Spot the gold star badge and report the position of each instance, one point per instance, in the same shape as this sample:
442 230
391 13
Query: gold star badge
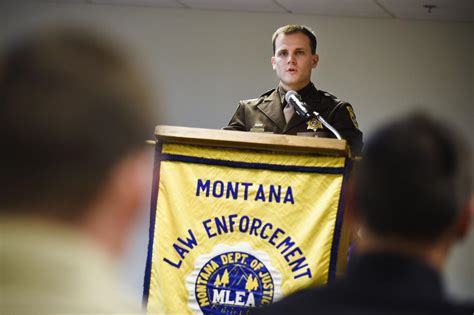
314 124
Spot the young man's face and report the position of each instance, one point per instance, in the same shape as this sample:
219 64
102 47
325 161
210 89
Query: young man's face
293 60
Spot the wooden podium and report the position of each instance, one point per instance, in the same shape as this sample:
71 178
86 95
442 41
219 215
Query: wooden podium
240 219
251 140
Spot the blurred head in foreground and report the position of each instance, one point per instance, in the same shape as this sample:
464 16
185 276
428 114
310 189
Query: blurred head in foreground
74 117
412 197
413 190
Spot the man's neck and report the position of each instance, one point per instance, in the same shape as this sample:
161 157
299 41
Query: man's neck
432 253
296 88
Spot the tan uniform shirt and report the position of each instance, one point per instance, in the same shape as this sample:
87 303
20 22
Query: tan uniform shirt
267 112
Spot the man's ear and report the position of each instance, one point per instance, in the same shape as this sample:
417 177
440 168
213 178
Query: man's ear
350 199
315 60
117 207
464 221
133 177
273 62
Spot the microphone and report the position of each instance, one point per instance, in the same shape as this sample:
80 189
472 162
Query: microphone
300 107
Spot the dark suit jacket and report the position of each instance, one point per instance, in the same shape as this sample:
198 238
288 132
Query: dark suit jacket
375 284
268 111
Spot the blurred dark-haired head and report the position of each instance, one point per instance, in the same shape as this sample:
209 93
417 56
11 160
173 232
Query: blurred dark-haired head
71 107
414 180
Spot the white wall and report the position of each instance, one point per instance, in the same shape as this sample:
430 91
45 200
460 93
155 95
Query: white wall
201 63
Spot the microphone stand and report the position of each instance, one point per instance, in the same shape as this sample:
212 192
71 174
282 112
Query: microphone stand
327 125
301 109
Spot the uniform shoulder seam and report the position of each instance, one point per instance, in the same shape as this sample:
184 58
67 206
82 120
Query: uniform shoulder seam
334 97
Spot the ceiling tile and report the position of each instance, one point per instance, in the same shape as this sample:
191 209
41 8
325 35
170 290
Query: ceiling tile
151 3
66 1
359 8
450 10
235 5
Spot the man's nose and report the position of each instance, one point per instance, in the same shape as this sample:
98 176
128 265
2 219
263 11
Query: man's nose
291 58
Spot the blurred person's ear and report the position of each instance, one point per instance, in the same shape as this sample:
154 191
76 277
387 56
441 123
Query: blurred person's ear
352 212
464 221
117 207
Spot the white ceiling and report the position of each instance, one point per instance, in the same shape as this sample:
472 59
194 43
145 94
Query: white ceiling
447 10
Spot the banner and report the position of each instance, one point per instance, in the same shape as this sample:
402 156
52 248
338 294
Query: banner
231 230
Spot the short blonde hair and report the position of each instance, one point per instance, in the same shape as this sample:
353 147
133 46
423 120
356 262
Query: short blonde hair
294 28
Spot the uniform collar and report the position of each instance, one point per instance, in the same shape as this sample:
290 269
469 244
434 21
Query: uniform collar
306 93
272 108
273 103
281 94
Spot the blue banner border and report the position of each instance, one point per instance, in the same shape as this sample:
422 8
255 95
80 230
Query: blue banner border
338 226
262 166
151 230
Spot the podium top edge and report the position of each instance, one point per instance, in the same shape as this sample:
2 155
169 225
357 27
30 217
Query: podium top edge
251 140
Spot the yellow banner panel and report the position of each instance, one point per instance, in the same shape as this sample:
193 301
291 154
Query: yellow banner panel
233 230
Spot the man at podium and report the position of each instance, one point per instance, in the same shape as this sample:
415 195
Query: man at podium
294 57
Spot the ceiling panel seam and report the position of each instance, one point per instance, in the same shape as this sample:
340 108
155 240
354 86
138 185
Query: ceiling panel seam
282 6
385 9
183 4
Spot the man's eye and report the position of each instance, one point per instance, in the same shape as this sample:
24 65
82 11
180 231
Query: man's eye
301 53
282 53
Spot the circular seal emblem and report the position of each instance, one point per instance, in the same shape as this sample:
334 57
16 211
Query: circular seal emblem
232 280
